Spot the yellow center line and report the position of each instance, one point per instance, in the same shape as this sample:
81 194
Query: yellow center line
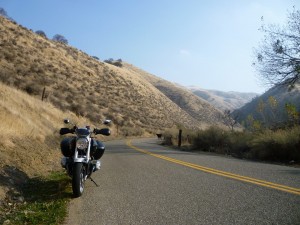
220 172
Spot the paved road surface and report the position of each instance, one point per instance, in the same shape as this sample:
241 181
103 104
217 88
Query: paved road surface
144 183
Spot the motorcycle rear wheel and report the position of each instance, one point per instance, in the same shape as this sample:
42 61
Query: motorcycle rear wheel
78 179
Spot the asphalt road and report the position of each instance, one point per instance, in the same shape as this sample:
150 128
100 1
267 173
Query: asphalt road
141 182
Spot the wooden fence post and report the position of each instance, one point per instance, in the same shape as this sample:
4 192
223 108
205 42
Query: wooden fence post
179 138
43 95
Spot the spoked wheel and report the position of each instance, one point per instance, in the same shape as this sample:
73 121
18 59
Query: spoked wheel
78 179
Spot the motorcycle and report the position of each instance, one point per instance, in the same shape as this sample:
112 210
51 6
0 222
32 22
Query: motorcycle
81 154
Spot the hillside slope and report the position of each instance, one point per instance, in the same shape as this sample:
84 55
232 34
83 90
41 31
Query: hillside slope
223 100
198 108
269 108
29 137
77 82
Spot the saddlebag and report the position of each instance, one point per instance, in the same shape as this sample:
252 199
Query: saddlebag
97 149
67 146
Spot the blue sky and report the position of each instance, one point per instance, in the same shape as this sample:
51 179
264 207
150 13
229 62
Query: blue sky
205 43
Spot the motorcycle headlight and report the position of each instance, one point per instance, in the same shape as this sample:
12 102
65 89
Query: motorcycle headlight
82 143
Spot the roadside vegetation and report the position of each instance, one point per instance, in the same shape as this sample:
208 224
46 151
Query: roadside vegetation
43 201
281 145
33 188
275 136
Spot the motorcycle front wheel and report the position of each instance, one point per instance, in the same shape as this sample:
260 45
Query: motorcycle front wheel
78 179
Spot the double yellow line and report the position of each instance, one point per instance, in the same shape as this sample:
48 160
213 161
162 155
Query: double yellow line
263 183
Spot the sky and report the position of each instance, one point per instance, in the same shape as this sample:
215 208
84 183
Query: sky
204 43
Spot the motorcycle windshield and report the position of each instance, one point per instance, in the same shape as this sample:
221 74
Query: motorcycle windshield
82 132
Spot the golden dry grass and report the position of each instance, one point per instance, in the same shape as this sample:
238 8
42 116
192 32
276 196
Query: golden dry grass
204 113
29 131
77 82
29 135
25 116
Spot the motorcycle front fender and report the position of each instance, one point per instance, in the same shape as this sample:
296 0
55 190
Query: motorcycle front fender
80 160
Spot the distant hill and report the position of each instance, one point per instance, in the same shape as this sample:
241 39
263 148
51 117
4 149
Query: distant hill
83 84
269 108
196 107
223 100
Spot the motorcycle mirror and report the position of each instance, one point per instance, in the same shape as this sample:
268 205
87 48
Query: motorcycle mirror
106 122
66 121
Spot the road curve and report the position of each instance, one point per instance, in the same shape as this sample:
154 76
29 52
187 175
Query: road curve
141 182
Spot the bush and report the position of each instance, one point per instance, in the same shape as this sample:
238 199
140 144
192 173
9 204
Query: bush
117 63
132 131
60 38
41 33
213 139
78 109
32 89
170 136
3 13
240 143
9 56
280 145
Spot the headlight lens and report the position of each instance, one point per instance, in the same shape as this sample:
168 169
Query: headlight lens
82 143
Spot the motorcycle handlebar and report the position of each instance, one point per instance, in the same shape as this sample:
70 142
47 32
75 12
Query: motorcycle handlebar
66 131
103 131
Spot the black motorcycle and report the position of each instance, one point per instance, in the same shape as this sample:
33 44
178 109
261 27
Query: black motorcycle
81 154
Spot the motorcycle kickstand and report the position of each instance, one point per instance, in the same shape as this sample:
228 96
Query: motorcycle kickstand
94 182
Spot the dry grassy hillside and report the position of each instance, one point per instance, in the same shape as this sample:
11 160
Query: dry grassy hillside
29 138
198 108
269 108
77 82
224 100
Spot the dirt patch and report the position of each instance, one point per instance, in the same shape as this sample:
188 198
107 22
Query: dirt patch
11 178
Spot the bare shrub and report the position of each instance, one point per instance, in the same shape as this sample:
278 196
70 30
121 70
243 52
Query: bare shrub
78 109
240 144
213 139
132 131
9 56
33 89
280 145
170 136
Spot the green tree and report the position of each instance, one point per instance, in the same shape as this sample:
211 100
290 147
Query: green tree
293 114
261 109
273 104
3 13
60 38
41 33
252 124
